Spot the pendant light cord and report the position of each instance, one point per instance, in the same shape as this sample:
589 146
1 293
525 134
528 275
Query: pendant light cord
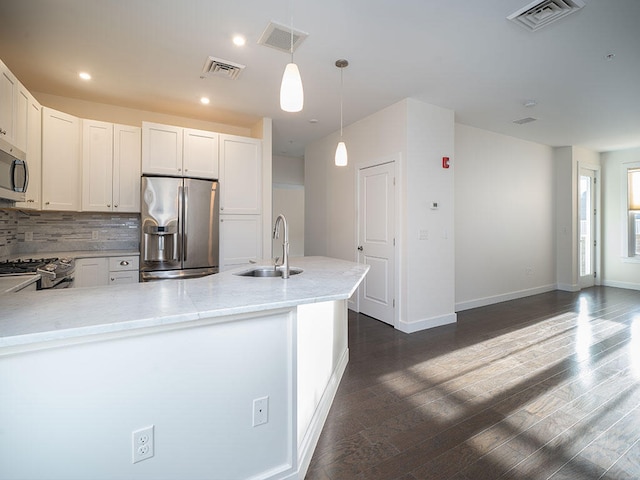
341 82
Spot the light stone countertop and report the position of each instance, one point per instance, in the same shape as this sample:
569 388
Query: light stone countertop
13 283
52 315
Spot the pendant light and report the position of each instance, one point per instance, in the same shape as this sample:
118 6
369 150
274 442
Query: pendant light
291 93
341 149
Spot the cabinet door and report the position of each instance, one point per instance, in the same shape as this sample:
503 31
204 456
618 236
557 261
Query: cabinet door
91 272
34 156
126 168
8 88
240 240
61 164
97 168
200 157
161 149
240 175
21 117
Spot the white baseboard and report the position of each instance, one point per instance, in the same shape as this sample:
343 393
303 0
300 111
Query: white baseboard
627 285
566 287
481 302
411 327
310 440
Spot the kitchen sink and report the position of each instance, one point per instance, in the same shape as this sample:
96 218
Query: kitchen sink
264 272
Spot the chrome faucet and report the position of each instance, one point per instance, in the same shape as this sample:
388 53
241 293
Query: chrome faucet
285 243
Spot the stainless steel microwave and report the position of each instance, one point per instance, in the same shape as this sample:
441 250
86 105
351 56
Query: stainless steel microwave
14 174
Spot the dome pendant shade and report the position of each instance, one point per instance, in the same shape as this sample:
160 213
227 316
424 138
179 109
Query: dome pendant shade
291 93
341 155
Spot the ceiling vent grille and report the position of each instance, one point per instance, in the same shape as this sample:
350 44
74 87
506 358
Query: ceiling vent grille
279 37
542 13
522 121
221 68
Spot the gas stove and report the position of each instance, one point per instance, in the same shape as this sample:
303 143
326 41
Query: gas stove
54 272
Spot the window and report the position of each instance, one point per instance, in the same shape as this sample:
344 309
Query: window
633 189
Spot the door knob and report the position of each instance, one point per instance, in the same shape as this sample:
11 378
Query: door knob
360 248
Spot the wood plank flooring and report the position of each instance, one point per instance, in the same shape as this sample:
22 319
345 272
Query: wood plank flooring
545 387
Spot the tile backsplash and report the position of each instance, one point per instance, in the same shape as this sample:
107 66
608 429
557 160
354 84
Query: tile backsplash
23 232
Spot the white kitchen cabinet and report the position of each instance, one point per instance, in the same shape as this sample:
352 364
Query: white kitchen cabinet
240 175
240 240
123 269
200 155
14 105
111 167
97 166
34 156
91 272
61 160
177 151
103 271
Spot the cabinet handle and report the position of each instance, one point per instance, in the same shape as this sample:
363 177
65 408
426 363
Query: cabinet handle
3 132
115 206
179 169
124 263
47 203
108 205
112 279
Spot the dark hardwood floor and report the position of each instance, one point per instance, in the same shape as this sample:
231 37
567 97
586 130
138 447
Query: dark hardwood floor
542 387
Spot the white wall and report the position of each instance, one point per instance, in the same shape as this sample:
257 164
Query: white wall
504 217
288 199
330 203
428 294
418 135
617 270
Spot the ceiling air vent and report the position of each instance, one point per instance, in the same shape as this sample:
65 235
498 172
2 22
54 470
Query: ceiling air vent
221 68
279 37
522 121
541 13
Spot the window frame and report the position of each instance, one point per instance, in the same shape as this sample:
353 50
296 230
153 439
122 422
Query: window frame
631 250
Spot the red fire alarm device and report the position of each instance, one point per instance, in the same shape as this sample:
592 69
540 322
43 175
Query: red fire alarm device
445 162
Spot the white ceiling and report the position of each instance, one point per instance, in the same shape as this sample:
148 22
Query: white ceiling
459 54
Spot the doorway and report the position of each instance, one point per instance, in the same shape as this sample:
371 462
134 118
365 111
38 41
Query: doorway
587 229
376 240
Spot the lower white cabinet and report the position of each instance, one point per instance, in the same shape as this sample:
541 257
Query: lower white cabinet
91 272
102 271
240 240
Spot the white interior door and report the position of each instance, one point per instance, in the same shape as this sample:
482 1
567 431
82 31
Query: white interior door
376 239
587 228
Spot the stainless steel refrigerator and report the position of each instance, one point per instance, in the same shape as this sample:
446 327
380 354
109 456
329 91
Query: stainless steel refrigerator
179 228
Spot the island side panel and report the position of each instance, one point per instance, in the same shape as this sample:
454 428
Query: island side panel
69 412
322 353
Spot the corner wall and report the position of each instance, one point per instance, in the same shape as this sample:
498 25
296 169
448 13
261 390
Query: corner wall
504 218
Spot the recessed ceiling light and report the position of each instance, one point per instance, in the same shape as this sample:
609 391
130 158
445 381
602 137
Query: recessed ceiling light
204 100
239 40
84 76
313 120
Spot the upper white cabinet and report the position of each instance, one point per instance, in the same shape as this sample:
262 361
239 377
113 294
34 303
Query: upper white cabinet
14 106
177 151
34 156
110 167
240 175
61 165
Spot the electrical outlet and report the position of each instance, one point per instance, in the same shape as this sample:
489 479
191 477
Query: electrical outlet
95 234
260 411
28 236
142 444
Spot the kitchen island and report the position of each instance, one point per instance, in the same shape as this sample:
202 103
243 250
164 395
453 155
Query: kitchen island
82 369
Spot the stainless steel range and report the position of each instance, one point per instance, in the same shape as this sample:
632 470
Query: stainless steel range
54 272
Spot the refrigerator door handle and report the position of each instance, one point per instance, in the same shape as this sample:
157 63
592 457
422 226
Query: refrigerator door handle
185 230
